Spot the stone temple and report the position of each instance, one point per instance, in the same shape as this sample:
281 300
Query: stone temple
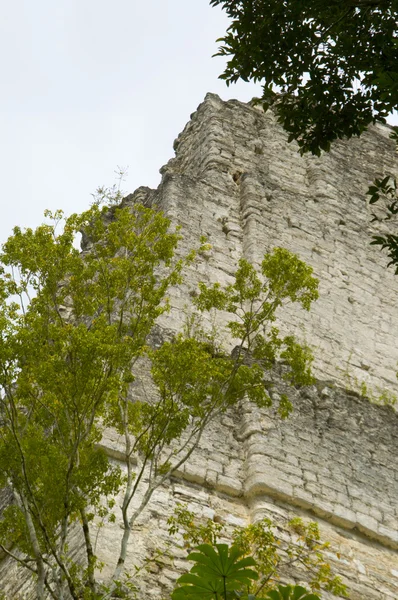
236 180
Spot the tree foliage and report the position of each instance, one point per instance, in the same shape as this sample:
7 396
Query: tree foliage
328 67
74 330
384 191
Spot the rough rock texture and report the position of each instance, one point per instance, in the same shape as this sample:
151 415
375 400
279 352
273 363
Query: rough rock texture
237 181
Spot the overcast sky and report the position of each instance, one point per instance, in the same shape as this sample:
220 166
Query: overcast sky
88 85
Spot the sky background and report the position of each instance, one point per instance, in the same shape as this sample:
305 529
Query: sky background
90 85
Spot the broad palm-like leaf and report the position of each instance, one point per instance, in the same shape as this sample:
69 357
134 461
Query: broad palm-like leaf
290 592
217 572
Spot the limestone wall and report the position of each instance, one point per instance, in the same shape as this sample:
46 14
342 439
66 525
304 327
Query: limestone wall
236 180
334 460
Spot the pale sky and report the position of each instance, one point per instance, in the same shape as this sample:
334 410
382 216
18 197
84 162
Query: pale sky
88 85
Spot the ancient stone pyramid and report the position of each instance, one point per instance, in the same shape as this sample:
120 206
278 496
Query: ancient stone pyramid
236 180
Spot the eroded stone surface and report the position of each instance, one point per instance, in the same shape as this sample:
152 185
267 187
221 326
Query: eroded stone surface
236 180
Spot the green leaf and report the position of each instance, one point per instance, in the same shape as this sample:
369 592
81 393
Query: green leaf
290 592
217 570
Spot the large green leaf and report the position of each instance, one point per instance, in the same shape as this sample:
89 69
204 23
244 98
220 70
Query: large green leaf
217 572
198 587
291 592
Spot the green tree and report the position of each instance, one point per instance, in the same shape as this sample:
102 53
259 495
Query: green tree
74 331
333 64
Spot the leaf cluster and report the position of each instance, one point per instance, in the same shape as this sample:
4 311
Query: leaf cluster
217 573
253 301
385 191
223 572
329 68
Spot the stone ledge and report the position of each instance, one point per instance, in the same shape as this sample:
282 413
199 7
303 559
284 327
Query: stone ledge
336 515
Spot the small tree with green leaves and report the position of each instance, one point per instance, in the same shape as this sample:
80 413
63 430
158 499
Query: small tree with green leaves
74 331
